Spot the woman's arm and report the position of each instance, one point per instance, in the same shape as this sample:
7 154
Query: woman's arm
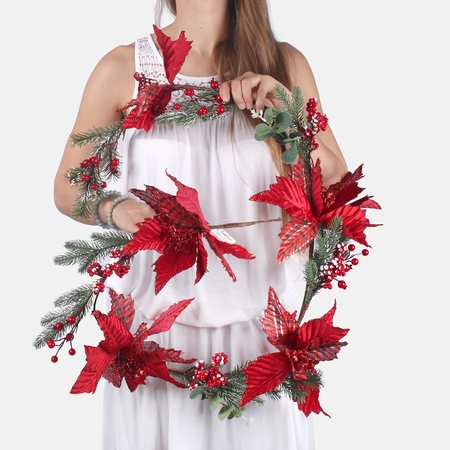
108 89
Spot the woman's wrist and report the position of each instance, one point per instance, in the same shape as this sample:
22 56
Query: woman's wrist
101 207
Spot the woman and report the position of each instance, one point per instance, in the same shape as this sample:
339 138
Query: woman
232 42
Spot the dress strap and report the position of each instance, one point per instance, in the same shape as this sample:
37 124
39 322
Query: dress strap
148 61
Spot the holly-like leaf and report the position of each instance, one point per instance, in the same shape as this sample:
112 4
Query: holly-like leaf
311 403
174 52
280 326
168 317
265 374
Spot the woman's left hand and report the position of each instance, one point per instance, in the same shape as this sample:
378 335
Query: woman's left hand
251 91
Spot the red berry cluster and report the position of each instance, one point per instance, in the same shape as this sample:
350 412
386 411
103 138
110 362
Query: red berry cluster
203 110
90 172
96 269
343 261
209 374
51 343
317 122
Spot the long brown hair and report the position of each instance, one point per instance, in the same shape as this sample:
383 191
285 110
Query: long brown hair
250 46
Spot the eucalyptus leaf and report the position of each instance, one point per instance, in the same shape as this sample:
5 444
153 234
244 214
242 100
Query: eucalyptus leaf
196 392
289 156
214 402
268 115
283 121
225 411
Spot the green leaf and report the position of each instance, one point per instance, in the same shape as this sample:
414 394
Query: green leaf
283 121
214 402
290 155
263 132
196 392
268 115
225 411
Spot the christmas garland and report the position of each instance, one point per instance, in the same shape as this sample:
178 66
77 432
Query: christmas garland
323 221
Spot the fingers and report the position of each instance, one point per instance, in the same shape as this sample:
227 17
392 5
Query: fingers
250 91
129 213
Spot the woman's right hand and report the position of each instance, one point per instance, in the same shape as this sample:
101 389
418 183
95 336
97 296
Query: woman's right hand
126 214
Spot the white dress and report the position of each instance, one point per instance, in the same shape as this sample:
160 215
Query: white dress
226 165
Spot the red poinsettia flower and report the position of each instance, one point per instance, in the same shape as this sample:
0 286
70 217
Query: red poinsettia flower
177 231
122 355
152 98
291 194
301 348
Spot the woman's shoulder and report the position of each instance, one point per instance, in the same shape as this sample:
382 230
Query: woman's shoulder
297 64
114 73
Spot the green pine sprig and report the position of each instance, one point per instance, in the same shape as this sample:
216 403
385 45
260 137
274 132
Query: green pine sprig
84 253
103 171
73 303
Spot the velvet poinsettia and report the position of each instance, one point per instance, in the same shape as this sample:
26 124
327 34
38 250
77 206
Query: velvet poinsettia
177 231
122 355
301 348
153 98
291 193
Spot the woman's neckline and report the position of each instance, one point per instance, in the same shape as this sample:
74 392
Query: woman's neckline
180 75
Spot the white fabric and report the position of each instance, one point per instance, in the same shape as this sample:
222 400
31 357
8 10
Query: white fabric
226 165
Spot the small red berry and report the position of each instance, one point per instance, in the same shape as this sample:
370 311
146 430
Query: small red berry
54 359
69 336
71 351
50 343
94 160
94 186
84 177
342 284
355 261
58 326
85 163
218 98
202 111
189 92
220 109
365 252
104 184
177 106
71 319
352 247
214 84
